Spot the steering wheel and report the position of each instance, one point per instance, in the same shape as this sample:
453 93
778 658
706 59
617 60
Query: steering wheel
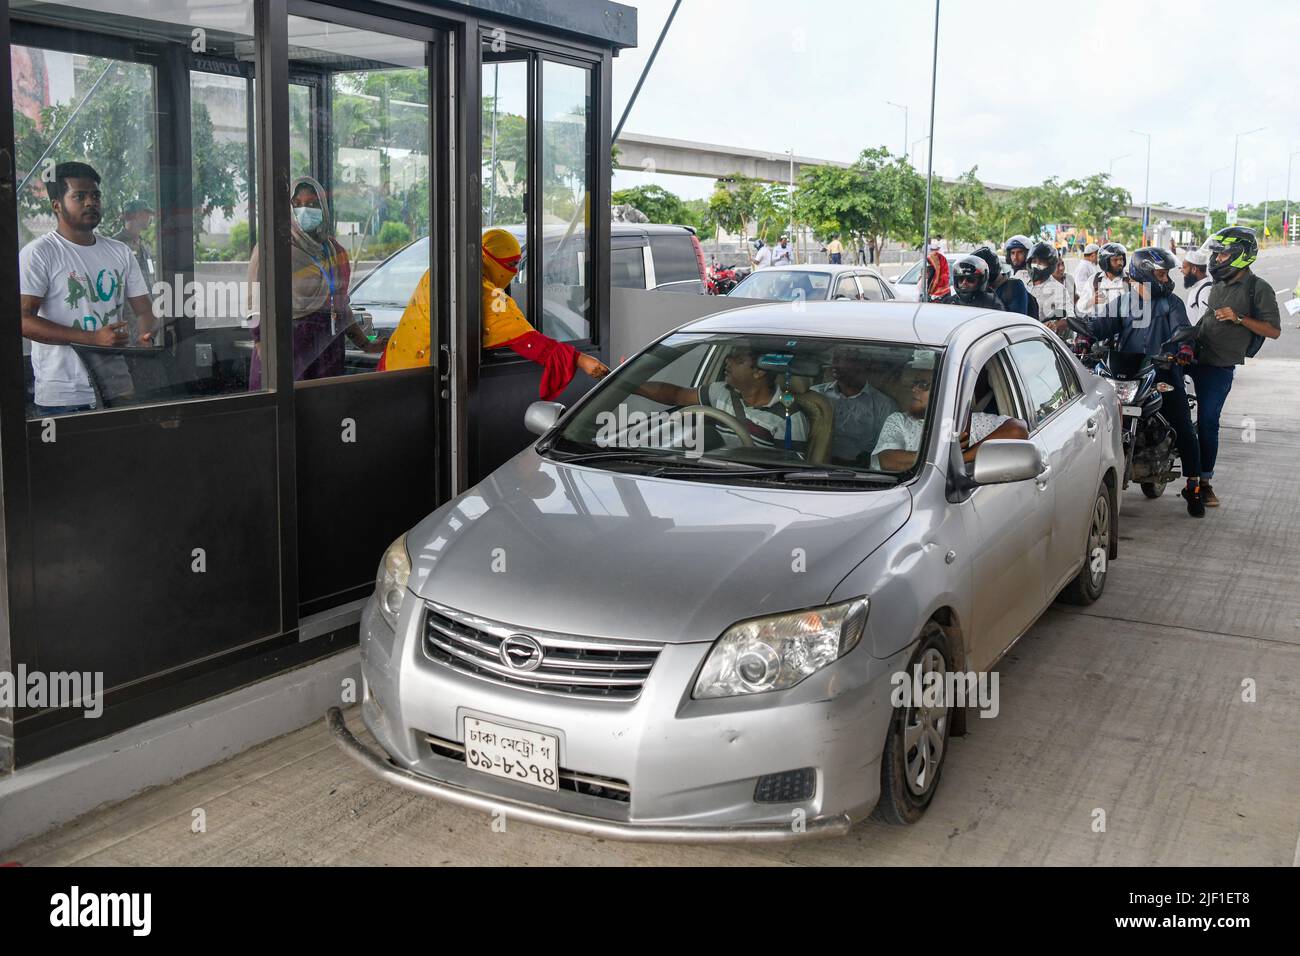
718 415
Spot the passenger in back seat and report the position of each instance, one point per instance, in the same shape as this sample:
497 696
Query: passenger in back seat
860 408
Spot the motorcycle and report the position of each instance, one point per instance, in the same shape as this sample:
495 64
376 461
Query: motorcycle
720 279
1150 442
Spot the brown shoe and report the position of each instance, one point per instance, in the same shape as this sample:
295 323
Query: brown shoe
1208 496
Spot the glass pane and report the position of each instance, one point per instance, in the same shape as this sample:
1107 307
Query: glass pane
504 193
133 269
566 213
358 198
1041 375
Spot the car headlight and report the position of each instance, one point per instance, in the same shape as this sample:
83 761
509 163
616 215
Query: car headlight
390 583
1125 389
774 653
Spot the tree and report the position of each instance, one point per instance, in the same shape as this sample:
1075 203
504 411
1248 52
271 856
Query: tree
658 204
879 196
1028 209
1096 202
734 203
959 211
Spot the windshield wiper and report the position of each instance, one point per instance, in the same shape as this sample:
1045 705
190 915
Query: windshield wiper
833 475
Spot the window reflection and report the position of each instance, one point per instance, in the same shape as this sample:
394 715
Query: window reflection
566 213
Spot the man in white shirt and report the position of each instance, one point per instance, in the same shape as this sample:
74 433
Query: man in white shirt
1197 281
75 288
1054 304
762 257
1087 267
781 255
746 390
1107 282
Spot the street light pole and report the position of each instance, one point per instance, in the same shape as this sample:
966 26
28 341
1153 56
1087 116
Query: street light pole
1111 171
1235 142
1286 218
904 109
1146 201
929 159
916 141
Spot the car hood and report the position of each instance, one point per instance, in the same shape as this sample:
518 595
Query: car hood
580 550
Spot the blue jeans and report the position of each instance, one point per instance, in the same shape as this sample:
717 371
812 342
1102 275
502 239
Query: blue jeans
1213 383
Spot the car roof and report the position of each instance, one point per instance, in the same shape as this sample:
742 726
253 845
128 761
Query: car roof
907 322
816 267
615 229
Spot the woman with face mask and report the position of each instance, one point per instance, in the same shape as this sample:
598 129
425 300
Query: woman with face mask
321 274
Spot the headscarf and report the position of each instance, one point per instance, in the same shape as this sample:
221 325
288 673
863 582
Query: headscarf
501 254
317 261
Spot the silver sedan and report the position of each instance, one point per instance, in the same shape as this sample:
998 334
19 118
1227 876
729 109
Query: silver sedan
697 608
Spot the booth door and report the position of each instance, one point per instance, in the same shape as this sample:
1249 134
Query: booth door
367 440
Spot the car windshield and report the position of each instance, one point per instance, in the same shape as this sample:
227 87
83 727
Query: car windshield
845 412
392 282
783 285
910 276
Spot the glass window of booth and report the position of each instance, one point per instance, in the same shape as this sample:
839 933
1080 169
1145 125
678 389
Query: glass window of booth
360 199
134 241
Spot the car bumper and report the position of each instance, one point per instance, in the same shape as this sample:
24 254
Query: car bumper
691 767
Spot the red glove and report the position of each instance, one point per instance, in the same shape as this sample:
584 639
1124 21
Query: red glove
558 360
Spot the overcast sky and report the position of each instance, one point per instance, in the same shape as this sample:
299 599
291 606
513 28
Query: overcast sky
815 74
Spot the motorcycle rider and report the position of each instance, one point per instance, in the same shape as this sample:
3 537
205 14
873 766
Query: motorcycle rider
1054 305
1017 253
1240 312
1011 292
1109 281
970 285
1196 280
1145 317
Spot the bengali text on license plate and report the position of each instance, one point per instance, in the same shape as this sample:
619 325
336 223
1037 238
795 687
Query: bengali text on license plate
502 751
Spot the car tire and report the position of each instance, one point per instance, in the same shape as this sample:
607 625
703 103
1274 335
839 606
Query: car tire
1153 489
1087 585
916 744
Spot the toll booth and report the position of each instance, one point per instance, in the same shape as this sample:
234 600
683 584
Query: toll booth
203 504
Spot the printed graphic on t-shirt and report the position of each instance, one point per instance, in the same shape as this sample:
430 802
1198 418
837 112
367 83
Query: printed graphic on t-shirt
103 289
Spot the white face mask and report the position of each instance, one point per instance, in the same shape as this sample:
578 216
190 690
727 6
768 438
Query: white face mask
308 217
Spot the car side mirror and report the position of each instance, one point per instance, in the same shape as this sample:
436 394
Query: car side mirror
542 416
1000 461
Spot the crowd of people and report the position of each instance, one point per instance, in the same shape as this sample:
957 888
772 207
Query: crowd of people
1129 300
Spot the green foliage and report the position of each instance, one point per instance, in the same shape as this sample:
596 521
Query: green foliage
734 203
394 233
960 211
879 196
1095 202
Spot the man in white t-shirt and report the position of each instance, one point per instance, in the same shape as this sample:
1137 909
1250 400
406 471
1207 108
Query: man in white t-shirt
762 257
1087 267
75 288
781 255
1197 282
746 390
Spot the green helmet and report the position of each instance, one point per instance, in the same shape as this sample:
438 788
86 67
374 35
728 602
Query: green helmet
1241 246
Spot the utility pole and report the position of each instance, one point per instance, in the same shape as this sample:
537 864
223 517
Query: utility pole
904 109
1235 142
923 288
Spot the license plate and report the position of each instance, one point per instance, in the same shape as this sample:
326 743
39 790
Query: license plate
503 751
1133 410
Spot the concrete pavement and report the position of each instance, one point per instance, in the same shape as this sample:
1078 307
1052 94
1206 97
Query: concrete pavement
1133 706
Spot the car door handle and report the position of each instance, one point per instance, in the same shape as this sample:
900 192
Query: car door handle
1092 428
1043 476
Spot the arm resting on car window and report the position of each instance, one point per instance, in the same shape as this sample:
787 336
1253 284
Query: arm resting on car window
1011 428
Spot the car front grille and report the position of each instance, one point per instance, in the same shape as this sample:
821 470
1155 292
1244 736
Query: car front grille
588 784
580 667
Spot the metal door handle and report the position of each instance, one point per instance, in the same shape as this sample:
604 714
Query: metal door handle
444 362
1043 476
1092 428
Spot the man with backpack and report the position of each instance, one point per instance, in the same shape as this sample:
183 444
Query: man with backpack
1240 314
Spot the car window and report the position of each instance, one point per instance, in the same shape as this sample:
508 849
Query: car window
392 282
627 267
1041 373
674 258
784 285
845 287
871 290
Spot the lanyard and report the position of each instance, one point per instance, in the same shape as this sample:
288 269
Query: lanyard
328 276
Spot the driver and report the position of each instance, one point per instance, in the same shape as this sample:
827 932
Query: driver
747 393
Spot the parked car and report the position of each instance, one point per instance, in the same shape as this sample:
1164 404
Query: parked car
905 285
662 258
814 283
616 636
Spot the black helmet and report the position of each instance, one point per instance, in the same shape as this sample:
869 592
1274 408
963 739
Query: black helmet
970 276
1045 253
1145 262
1232 239
990 259
1016 242
1109 251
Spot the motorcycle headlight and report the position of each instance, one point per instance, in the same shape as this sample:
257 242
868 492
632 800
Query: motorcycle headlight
1126 390
390 582
774 653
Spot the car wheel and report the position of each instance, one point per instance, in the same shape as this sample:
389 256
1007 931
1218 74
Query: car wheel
1088 584
917 742
1153 489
